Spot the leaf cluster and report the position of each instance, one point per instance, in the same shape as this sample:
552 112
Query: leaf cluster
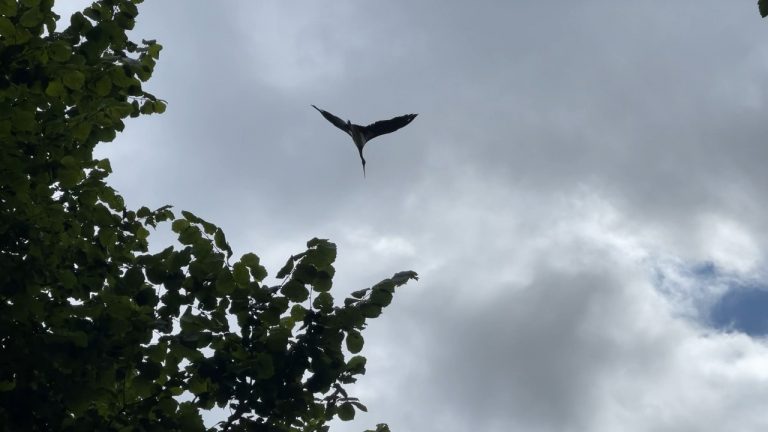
96 332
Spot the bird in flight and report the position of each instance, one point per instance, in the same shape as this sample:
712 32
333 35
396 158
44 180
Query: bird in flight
362 134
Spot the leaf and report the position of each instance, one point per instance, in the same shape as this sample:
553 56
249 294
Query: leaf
370 310
73 79
179 225
23 120
189 418
7 385
60 51
31 18
346 411
381 297
264 365
154 50
356 365
240 273
221 242
7 29
360 293
295 291
56 89
298 312
225 282
133 278
103 85
81 131
252 261
323 301
159 107
8 8
354 341
402 277
287 268
763 7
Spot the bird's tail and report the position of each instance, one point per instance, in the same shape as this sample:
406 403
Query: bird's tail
360 150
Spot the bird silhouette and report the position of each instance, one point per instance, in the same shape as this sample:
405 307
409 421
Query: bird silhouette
362 134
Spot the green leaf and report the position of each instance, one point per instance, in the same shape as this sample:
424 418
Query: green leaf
78 338
295 291
7 385
60 51
7 29
73 79
359 406
159 107
360 293
154 50
354 341
370 310
103 85
8 8
356 365
323 301
763 7
129 9
189 418
179 225
104 164
298 312
264 365
240 273
23 120
167 406
221 242
225 282
252 261
70 177
346 411
68 161
31 18
287 268
402 277
386 285
381 297
119 78
81 131
133 278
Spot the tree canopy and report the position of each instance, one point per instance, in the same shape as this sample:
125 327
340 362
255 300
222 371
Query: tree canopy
96 332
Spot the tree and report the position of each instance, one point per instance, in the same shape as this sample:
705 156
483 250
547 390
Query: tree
96 333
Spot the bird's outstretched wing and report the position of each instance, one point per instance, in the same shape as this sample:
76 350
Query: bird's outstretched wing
386 126
339 123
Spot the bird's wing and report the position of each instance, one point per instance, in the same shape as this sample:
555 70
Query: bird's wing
386 126
339 123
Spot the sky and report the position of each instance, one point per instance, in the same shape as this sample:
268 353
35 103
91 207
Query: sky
582 194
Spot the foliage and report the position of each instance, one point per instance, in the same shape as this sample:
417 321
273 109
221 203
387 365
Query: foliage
96 333
762 5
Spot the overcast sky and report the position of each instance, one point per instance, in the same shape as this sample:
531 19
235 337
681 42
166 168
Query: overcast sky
583 194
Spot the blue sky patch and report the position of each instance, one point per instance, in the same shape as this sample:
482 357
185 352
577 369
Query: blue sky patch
743 309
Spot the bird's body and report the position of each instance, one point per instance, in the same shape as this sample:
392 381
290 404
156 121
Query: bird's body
362 134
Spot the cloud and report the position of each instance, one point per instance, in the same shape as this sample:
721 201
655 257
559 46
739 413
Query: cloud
586 342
